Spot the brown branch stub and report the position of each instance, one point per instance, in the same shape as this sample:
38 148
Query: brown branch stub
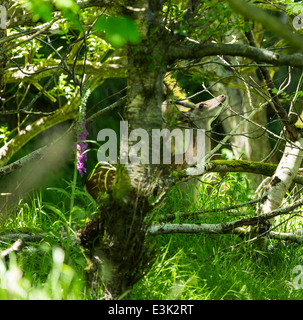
273 182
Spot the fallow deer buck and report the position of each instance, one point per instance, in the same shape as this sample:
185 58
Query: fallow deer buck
200 116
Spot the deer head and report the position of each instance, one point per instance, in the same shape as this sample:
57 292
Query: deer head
203 113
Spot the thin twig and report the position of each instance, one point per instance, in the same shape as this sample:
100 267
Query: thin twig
39 113
16 246
110 108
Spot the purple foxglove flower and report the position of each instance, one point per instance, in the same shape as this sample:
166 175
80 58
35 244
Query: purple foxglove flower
81 144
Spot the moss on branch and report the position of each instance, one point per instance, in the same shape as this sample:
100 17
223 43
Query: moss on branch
266 169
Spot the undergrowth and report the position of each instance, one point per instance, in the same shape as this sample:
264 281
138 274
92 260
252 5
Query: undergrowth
187 267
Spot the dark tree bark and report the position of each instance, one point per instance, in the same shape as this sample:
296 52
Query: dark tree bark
121 254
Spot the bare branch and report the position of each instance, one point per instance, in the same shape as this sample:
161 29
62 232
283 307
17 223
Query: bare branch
267 169
16 246
67 112
26 19
198 51
224 227
38 113
45 27
35 73
200 213
110 108
281 112
37 154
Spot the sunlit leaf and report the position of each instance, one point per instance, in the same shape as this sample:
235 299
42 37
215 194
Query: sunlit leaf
40 9
69 9
118 30
67 4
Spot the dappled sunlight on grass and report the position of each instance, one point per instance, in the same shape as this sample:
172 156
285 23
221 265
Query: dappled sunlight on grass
187 267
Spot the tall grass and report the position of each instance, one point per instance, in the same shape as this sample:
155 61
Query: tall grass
52 269
61 282
211 266
187 266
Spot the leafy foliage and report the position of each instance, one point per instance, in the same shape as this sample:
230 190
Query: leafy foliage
41 9
117 30
44 74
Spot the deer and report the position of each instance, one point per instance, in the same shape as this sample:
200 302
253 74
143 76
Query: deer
200 116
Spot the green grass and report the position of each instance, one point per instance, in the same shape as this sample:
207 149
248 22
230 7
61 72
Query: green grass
187 266
52 269
208 267
195 268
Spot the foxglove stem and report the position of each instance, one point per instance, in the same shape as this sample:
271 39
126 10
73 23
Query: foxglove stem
80 147
81 135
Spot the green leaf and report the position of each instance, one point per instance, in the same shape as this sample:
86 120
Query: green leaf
72 17
274 90
40 9
118 30
67 4
70 10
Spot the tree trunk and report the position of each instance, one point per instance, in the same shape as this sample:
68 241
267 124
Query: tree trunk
121 254
283 177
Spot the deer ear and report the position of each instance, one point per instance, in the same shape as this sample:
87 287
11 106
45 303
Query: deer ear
201 105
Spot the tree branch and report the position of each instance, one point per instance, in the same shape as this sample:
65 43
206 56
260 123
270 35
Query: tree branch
13 45
110 108
199 214
269 22
276 105
16 246
22 111
198 51
266 169
25 135
35 155
223 227
26 19
67 112
35 73
282 179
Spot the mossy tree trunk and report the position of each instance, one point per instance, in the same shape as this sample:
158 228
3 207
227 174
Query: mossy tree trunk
121 254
